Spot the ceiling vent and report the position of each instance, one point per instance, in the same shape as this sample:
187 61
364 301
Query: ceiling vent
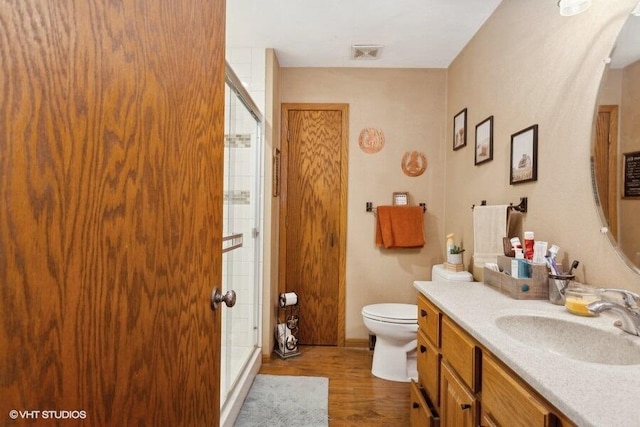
366 51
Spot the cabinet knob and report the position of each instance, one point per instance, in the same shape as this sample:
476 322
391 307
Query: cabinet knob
416 405
423 349
423 313
464 406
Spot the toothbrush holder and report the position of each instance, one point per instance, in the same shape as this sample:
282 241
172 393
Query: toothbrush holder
557 285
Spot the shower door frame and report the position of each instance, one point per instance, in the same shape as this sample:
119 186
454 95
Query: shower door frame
236 388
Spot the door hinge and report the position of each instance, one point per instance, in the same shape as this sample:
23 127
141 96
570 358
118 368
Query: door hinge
255 233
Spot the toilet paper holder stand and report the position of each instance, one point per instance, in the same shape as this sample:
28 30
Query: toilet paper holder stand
286 333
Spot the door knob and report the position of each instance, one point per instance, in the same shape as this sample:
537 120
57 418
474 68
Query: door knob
216 298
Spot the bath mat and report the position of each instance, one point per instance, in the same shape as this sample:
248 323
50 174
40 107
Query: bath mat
282 400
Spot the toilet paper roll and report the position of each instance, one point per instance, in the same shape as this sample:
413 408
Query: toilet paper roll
288 298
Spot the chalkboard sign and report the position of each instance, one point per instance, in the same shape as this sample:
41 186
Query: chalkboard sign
631 174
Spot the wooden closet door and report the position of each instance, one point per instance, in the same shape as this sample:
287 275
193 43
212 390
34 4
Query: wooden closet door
315 225
111 141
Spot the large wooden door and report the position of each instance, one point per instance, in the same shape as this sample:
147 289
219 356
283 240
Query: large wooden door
606 165
313 227
111 141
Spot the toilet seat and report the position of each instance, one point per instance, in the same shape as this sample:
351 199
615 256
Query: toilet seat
392 313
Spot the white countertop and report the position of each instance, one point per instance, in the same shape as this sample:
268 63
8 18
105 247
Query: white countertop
590 394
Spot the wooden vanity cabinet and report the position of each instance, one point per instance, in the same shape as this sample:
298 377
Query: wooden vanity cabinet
460 383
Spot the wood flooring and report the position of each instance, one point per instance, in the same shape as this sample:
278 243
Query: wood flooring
356 397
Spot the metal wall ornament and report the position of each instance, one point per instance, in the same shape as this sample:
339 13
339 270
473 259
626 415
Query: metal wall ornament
414 163
371 140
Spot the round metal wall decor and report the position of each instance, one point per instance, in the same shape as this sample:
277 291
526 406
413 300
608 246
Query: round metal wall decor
371 140
414 163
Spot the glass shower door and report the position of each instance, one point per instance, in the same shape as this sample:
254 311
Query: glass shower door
241 248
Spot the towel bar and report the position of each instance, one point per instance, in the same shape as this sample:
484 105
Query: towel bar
521 207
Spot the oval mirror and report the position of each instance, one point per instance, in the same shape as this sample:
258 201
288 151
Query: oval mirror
616 145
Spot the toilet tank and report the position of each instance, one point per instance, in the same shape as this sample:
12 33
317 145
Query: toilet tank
440 274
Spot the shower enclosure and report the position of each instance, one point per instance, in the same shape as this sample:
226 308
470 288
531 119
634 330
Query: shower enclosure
242 256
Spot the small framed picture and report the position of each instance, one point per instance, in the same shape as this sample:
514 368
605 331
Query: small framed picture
524 153
400 198
484 141
460 130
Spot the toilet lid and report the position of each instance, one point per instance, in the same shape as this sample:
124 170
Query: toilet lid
392 313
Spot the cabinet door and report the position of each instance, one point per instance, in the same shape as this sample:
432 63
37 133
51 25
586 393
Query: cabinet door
429 368
506 401
429 320
461 352
458 407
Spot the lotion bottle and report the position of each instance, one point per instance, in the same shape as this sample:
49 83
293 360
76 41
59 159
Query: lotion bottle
450 242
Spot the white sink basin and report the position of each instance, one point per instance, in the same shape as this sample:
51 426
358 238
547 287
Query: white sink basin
573 340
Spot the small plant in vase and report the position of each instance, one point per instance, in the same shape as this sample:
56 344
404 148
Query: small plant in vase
455 255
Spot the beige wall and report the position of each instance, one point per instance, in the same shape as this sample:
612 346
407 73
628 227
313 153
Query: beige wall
409 106
528 65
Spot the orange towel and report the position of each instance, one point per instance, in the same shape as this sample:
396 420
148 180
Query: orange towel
400 227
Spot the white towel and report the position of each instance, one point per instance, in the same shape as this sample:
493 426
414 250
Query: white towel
489 227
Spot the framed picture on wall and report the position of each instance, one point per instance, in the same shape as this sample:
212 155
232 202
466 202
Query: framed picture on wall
460 130
484 141
524 154
631 175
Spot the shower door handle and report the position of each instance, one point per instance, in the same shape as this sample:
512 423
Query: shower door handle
216 298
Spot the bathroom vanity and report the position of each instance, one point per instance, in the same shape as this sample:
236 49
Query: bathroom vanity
487 359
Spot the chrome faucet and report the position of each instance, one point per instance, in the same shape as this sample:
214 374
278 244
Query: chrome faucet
630 299
629 312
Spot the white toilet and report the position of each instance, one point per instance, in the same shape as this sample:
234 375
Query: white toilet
395 327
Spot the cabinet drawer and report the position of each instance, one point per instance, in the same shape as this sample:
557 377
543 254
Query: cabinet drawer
429 319
508 402
461 352
429 368
421 414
